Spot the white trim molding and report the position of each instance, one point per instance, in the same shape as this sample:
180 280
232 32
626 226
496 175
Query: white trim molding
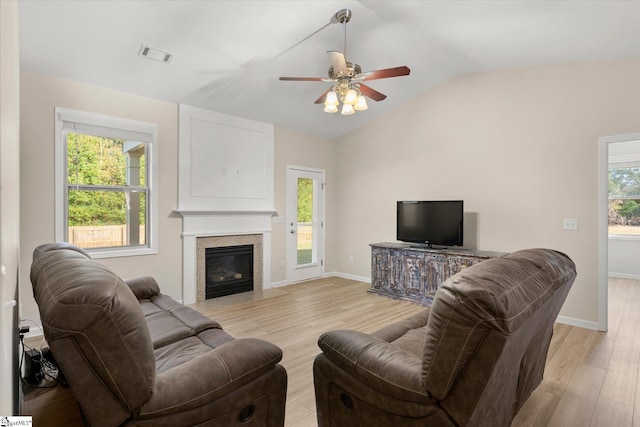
67 120
603 223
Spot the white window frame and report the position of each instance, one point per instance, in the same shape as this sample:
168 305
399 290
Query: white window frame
110 127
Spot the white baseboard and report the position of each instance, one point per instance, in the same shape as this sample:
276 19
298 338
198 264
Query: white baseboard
581 323
329 274
624 276
278 284
348 276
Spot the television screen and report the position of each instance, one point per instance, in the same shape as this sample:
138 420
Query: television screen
434 222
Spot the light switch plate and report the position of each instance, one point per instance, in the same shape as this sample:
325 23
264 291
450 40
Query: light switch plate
570 224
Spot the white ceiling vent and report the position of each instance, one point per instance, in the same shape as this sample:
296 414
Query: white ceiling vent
155 54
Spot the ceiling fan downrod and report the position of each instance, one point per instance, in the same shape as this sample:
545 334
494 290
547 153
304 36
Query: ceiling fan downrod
343 16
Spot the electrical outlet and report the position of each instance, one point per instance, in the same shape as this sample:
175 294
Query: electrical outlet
570 224
350 259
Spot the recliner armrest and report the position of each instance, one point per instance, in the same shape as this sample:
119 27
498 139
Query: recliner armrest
376 362
143 287
209 376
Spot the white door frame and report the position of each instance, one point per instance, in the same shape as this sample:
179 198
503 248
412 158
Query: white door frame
603 223
321 233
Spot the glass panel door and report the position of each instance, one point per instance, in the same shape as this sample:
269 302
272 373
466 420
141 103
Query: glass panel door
304 223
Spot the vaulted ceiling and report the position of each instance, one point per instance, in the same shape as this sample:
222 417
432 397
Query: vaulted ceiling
228 55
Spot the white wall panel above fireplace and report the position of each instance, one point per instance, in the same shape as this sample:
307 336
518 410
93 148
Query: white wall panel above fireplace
225 162
225 186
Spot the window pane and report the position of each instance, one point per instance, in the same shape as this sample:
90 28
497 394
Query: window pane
624 216
305 221
624 183
94 160
624 201
98 218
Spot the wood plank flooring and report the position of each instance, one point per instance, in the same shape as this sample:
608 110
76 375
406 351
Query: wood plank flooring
295 321
591 378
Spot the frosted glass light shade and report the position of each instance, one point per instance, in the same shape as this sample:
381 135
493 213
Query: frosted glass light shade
331 99
347 109
351 97
330 108
361 104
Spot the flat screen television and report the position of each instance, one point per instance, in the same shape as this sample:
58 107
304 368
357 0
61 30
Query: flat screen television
432 222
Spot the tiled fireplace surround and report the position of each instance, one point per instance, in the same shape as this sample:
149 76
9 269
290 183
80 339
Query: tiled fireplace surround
202 243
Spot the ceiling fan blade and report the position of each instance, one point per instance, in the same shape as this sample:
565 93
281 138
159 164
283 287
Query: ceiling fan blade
303 79
372 93
322 97
338 62
386 73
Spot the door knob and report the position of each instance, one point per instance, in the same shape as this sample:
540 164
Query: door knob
293 231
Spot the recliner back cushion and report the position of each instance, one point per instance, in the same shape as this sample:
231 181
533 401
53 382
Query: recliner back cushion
498 294
83 300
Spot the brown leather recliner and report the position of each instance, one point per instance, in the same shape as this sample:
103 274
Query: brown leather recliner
471 359
133 356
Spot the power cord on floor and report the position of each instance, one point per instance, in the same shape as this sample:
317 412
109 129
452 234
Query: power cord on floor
39 364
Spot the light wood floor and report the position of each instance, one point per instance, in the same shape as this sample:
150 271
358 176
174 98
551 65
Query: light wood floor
591 378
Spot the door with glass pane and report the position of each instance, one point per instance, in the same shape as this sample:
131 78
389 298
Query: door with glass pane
305 223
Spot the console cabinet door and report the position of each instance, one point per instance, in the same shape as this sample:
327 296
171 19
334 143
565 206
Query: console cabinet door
414 280
396 270
438 272
379 268
459 263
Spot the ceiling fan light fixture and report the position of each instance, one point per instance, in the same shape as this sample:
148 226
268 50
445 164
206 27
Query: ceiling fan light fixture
361 103
330 108
348 88
331 99
351 97
347 109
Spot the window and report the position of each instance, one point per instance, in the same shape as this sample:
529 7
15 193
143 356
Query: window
624 201
106 199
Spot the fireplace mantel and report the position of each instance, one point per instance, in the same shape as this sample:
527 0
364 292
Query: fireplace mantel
185 213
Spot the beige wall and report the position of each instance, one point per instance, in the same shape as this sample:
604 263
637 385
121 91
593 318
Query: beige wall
9 202
39 95
519 146
299 149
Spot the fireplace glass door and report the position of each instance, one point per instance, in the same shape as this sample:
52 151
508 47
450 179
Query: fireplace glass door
228 270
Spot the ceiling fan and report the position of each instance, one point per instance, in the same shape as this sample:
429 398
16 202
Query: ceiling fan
347 78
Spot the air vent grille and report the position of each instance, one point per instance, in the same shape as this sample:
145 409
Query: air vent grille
155 54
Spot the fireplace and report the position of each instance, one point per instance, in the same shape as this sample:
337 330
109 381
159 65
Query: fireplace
206 243
228 270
